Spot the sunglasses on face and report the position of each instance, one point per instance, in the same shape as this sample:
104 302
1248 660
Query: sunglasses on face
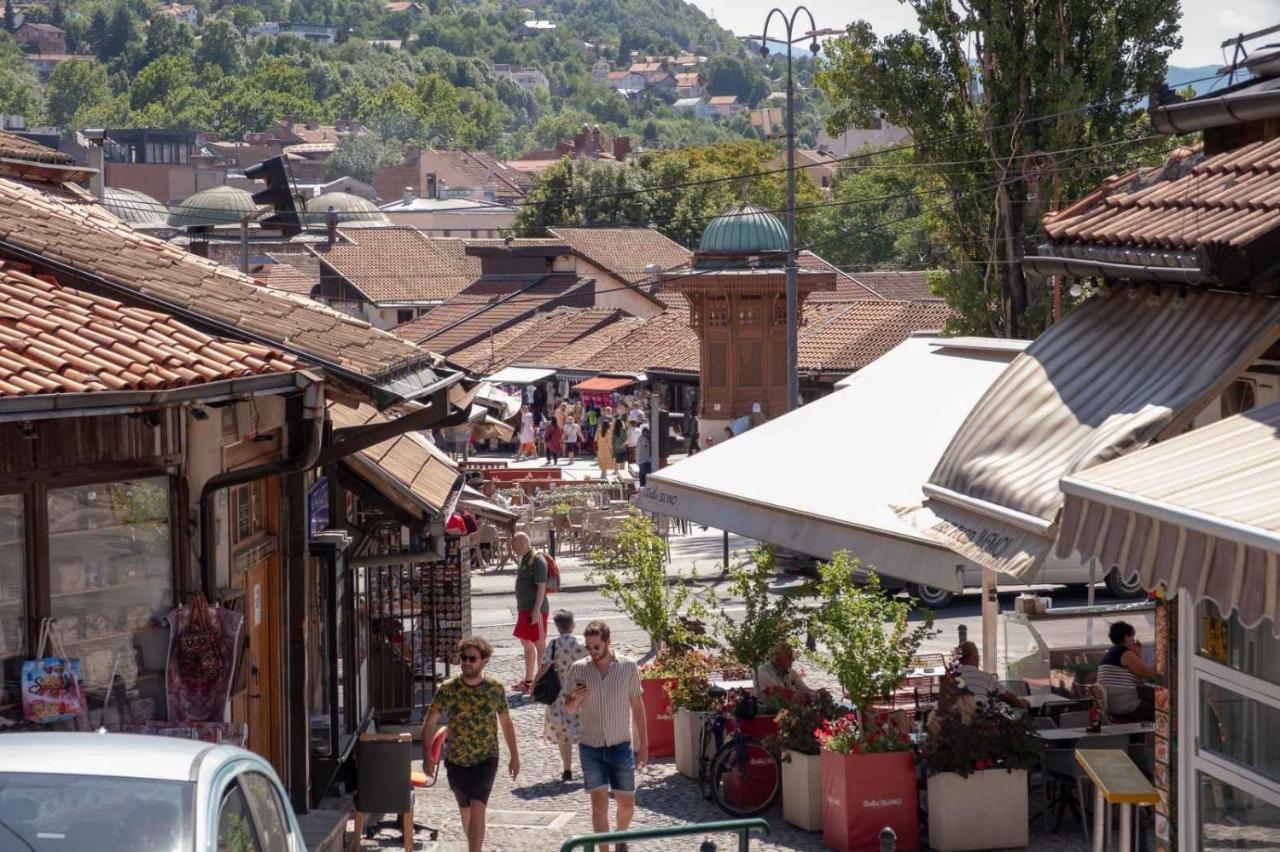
471 658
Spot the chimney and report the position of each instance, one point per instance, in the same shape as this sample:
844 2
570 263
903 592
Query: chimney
331 225
621 147
410 195
431 185
442 188
97 183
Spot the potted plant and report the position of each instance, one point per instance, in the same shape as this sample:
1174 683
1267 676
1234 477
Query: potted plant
631 572
796 738
765 621
976 758
692 703
656 677
867 641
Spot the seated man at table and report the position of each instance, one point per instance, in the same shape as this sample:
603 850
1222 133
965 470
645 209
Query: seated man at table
1121 673
984 685
777 672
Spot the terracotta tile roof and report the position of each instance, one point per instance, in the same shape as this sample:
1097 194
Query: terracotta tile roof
665 342
18 148
282 276
391 265
533 339
94 243
846 336
625 252
583 352
893 285
413 464
55 338
479 167
1189 202
491 305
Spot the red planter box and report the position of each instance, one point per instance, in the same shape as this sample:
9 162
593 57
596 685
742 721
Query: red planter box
759 728
861 794
659 717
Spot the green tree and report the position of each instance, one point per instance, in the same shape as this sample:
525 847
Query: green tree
167 36
19 89
221 46
360 157
765 620
985 86
584 192
730 75
76 87
122 33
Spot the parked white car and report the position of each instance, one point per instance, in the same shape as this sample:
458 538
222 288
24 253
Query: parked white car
1054 572
137 793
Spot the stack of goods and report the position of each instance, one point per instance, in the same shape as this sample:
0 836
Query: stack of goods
450 597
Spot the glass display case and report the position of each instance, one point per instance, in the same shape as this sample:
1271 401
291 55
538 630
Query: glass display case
1061 648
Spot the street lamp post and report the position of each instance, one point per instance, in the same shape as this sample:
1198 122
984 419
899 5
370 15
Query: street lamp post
793 296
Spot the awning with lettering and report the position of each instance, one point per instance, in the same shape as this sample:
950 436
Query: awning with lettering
823 478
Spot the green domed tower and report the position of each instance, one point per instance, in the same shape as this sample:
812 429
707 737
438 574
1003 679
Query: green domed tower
736 290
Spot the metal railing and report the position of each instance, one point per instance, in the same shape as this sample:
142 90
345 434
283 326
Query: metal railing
740 827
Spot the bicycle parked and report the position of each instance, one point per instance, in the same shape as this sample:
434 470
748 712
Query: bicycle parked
735 770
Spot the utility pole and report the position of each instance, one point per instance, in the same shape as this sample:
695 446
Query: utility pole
793 292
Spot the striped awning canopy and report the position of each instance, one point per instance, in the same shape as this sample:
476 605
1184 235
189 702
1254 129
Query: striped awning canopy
1123 369
1199 512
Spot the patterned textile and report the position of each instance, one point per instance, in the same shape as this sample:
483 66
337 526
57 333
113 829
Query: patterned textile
472 718
559 725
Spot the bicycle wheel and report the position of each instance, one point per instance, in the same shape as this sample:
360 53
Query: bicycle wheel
746 778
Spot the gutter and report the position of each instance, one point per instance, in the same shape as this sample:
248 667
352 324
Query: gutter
59 405
1049 265
313 411
1224 110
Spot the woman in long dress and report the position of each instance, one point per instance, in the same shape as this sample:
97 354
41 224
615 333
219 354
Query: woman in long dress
559 725
604 448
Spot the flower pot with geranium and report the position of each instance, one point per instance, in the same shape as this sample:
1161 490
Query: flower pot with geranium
866 639
657 678
977 757
691 702
798 724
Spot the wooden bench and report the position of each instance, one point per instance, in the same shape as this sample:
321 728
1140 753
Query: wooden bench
1116 781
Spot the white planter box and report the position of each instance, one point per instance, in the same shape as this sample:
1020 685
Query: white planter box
802 790
987 810
688 734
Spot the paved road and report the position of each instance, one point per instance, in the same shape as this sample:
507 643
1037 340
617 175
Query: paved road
538 811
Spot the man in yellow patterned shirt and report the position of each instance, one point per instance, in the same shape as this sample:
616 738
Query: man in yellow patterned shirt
472 704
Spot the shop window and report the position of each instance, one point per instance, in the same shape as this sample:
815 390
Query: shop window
717 312
1230 818
12 598
1239 729
1254 652
111 574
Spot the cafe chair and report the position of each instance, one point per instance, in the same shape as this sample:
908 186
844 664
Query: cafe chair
385 785
1064 771
1043 723
1074 719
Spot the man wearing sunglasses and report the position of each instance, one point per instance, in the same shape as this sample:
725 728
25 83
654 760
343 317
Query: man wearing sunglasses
476 706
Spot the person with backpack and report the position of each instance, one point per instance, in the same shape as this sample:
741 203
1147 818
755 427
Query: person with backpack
532 584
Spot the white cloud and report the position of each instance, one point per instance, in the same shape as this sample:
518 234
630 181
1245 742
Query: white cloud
1205 23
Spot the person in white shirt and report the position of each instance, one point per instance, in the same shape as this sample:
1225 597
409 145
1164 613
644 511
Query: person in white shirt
633 438
984 686
777 672
527 447
572 435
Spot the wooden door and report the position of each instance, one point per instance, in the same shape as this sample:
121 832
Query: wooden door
263 658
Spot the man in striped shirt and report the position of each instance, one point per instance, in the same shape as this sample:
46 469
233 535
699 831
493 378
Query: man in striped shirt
604 690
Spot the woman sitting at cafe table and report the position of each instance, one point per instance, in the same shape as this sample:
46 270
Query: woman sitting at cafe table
1122 672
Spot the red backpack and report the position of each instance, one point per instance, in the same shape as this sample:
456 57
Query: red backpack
553 573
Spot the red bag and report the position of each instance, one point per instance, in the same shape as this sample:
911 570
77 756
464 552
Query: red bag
553 573
200 645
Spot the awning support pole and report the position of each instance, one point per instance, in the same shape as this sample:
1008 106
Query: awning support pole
990 617
726 551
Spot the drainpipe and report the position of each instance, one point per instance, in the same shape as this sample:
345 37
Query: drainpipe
313 410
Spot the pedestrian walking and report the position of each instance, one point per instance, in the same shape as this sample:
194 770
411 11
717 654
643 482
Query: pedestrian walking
604 449
633 438
562 414
619 440
559 726
474 706
553 437
572 435
691 432
527 449
531 606
605 691
644 453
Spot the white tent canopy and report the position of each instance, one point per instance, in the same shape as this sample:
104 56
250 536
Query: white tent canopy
520 376
823 478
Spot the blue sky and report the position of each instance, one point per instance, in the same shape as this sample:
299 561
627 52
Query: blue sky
1205 23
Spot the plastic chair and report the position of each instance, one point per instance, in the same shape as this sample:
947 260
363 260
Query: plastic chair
1062 764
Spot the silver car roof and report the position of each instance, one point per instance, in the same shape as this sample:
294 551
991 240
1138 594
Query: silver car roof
117 755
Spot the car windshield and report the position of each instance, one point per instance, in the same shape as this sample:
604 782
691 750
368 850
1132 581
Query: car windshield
51 813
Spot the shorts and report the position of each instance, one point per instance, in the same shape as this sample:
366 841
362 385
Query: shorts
612 766
571 447
527 448
471 783
525 628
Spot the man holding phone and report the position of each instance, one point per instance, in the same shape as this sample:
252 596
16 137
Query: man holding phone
604 690
476 706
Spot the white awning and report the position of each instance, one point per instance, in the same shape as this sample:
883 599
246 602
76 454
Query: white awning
1125 368
505 405
822 478
520 376
1199 512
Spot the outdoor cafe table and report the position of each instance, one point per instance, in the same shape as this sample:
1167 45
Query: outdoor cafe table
1083 734
1039 702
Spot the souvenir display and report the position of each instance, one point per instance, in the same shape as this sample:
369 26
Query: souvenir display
50 684
199 670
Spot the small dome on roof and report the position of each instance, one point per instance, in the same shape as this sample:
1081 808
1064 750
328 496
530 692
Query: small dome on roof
744 229
135 208
221 205
353 211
